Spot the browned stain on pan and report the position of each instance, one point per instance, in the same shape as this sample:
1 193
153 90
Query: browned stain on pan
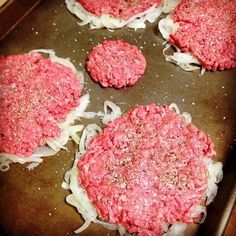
33 203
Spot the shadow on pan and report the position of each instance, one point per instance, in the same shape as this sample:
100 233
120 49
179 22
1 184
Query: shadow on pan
2 232
218 213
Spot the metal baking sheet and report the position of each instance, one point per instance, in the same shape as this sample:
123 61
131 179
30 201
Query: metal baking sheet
33 202
12 12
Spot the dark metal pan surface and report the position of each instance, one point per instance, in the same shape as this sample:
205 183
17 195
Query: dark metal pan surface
33 202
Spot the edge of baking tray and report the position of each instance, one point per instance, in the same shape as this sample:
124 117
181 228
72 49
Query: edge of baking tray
13 12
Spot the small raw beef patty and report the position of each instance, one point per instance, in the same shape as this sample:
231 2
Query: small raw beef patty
116 63
145 169
207 30
124 9
35 95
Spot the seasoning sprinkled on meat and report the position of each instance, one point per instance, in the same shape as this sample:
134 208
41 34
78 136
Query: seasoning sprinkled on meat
145 169
115 63
35 95
207 29
124 9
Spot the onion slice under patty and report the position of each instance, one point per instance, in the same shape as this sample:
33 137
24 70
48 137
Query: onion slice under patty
186 61
53 145
107 21
81 201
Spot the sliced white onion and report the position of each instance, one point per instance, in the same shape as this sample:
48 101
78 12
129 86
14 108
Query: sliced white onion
105 116
54 144
176 229
215 169
187 117
79 197
165 227
203 70
169 5
198 210
89 132
76 113
174 107
80 200
184 60
215 172
43 151
50 52
150 15
64 61
65 184
215 175
83 227
106 224
67 129
6 159
89 115
33 165
95 22
73 130
167 27
123 231
113 115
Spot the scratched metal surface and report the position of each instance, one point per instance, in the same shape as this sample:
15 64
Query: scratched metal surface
32 203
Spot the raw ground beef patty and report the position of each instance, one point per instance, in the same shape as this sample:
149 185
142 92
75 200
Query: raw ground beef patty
115 63
207 29
145 169
35 95
124 9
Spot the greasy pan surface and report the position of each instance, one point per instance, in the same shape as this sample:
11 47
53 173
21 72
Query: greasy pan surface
32 202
